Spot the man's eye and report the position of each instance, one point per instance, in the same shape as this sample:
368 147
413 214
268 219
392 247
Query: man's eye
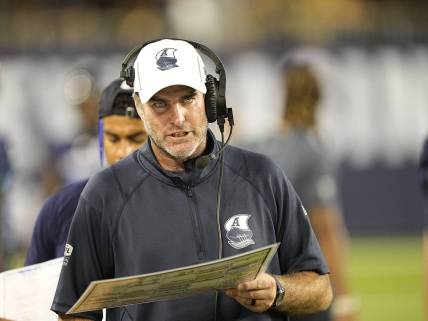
158 104
188 99
112 139
138 139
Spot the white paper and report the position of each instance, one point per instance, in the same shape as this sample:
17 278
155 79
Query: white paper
26 293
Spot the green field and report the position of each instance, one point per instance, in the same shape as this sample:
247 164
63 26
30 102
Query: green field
386 275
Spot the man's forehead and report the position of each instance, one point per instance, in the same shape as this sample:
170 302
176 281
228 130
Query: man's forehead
119 120
173 90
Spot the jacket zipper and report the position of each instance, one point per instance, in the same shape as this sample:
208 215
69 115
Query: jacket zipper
196 224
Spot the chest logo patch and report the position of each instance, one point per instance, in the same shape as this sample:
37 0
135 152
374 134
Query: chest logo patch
239 235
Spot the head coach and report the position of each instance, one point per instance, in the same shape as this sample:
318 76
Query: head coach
185 198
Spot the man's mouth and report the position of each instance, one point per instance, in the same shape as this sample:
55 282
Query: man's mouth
179 134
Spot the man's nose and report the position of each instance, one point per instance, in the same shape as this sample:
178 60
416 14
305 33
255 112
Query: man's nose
124 149
179 114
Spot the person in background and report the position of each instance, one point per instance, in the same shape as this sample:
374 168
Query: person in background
5 171
122 132
297 149
76 159
424 181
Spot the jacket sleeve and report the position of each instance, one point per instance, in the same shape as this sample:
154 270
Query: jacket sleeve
299 249
87 258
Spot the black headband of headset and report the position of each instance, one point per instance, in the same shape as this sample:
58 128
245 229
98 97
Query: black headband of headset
128 73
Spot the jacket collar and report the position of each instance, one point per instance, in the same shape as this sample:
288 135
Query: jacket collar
192 175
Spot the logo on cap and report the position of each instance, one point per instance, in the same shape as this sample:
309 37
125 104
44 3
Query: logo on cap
165 59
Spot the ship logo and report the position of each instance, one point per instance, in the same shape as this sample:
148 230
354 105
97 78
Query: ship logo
239 235
165 59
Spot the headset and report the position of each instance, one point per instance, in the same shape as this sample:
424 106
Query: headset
215 109
215 98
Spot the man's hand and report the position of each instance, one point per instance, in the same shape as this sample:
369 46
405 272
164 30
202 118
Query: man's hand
256 295
306 292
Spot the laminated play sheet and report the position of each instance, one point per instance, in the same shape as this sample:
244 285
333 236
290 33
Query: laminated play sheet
189 280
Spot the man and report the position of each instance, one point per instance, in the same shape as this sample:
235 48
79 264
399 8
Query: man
424 176
75 159
156 210
122 133
5 172
298 151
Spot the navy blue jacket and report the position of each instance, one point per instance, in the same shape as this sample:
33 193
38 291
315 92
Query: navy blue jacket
52 224
136 218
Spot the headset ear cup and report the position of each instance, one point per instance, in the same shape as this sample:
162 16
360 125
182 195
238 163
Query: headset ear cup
130 74
211 98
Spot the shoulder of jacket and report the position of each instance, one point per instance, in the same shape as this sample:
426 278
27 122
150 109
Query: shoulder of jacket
251 163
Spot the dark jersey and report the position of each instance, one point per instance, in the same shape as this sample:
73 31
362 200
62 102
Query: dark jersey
136 218
424 180
52 224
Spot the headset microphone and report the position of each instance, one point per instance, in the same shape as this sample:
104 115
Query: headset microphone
202 161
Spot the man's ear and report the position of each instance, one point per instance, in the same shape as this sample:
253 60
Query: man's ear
138 105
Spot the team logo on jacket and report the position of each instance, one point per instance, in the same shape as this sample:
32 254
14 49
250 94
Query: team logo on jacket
67 253
238 233
68 250
165 59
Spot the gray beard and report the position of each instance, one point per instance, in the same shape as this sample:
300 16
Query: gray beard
179 158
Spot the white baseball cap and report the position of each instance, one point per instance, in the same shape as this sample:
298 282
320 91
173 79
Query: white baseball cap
166 63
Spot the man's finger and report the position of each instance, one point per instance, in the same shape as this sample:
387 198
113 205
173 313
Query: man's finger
254 304
264 281
248 295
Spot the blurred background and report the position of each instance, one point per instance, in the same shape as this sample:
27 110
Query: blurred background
371 57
